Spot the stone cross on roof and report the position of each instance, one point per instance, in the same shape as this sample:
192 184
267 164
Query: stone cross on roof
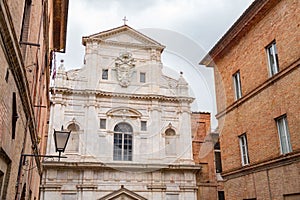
125 20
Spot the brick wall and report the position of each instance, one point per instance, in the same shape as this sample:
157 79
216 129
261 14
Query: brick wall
27 78
256 118
203 154
249 56
282 180
200 130
264 98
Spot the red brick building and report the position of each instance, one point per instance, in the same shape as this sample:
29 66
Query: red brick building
257 77
30 31
205 153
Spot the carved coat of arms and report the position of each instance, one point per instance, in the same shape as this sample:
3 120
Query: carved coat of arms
124 65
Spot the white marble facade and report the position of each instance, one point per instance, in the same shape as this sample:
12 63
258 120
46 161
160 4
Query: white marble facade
131 128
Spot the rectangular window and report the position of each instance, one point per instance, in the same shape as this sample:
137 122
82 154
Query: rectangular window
284 136
272 58
14 115
143 125
218 161
244 149
122 147
221 195
102 123
237 85
7 75
104 74
143 77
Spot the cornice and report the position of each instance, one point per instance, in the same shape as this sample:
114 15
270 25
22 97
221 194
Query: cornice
124 44
283 160
99 93
119 165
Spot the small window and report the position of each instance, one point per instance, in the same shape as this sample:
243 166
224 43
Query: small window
218 162
102 123
244 149
143 126
272 58
104 74
143 77
237 85
284 135
7 75
221 195
14 115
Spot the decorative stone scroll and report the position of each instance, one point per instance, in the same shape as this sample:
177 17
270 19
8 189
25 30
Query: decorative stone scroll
124 65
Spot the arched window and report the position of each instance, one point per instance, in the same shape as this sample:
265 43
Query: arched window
170 142
73 143
123 142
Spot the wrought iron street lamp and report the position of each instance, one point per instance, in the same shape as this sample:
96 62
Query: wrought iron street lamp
61 139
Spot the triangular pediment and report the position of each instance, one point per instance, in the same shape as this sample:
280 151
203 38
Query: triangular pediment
123 35
123 194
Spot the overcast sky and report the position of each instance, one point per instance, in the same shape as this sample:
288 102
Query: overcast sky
188 29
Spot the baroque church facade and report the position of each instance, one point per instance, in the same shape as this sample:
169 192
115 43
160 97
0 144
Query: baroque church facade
130 125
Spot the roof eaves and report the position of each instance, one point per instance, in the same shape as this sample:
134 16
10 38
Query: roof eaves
237 30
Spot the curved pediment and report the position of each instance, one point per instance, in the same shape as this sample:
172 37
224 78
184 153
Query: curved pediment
124 112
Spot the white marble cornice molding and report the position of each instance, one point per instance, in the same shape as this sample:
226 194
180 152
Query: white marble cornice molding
99 93
123 44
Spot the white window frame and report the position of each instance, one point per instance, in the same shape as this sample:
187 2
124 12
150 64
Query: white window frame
123 150
272 56
284 135
237 85
244 149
